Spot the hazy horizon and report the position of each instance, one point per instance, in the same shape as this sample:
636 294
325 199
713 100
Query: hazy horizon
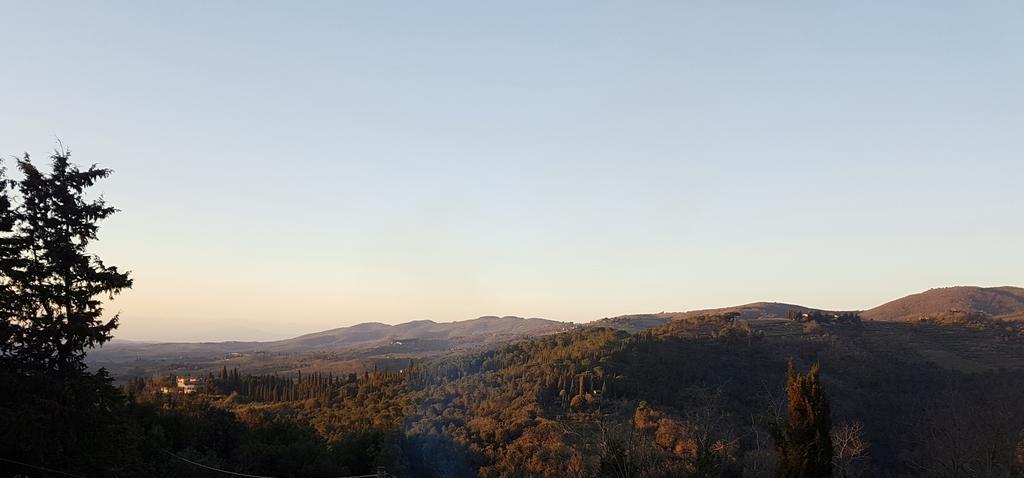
285 169
245 334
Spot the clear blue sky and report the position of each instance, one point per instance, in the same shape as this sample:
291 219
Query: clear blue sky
287 168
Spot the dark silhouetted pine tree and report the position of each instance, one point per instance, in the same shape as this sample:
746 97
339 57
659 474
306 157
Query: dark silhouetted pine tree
53 411
52 284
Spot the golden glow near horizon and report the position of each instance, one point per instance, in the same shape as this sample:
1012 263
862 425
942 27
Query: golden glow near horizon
363 164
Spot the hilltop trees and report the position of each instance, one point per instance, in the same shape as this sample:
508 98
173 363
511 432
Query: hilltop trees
803 445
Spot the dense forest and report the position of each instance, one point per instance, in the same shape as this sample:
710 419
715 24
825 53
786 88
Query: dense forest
807 396
707 397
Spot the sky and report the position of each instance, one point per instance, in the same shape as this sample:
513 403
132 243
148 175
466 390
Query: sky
289 167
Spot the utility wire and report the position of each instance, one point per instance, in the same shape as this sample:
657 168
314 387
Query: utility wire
233 473
41 468
186 460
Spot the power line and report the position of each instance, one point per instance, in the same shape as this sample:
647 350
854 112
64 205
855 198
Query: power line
242 474
214 469
41 468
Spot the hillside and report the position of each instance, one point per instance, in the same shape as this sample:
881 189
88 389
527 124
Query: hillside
687 396
756 310
1005 303
483 330
996 302
441 336
578 402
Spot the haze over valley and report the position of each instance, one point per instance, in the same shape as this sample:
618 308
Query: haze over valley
659 239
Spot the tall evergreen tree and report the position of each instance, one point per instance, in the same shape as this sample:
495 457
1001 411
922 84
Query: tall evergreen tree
51 283
11 259
53 411
803 445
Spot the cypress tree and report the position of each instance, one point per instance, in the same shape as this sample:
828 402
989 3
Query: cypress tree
803 446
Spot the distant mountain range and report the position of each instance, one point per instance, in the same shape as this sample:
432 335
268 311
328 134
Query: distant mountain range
441 336
426 336
483 330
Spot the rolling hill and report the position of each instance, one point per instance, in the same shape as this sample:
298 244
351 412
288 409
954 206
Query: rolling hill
441 336
1006 303
756 310
483 330
997 302
373 341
